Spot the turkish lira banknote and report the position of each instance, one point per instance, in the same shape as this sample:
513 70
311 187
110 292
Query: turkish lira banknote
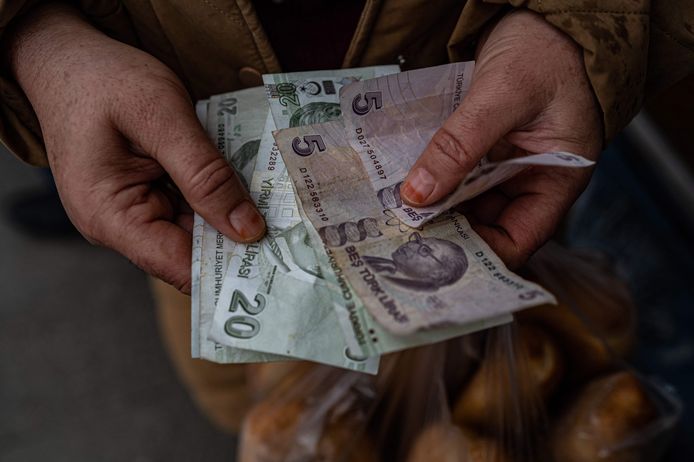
361 330
288 296
235 122
391 119
273 298
439 275
302 98
317 316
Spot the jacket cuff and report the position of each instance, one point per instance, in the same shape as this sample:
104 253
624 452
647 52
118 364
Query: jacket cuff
614 38
19 126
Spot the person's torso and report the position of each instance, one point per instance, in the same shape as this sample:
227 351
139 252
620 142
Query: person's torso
223 45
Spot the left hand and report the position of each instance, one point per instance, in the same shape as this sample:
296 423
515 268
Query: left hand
117 124
529 94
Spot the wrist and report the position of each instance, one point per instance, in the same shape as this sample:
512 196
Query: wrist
38 44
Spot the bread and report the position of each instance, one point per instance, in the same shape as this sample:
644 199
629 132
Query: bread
294 431
514 379
590 344
269 430
484 449
595 318
441 442
445 442
263 378
346 440
607 412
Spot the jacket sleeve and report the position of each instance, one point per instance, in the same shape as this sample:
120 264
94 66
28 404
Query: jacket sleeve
19 127
632 49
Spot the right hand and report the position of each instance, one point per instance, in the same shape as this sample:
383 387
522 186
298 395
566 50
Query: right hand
529 93
117 123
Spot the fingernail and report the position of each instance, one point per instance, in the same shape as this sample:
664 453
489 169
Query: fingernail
418 186
247 221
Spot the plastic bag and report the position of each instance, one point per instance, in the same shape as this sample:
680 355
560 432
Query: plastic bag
317 413
551 386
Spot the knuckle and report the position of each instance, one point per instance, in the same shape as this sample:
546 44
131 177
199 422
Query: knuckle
182 285
213 181
517 260
89 234
517 254
177 280
523 241
90 225
91 237
533 239
451 152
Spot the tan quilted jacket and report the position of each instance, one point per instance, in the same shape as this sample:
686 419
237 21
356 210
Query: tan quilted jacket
632 48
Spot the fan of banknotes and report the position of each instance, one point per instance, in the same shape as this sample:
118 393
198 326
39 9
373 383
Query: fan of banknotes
347 271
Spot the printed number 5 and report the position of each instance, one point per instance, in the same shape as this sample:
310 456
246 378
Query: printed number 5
371 99
242 325
312 142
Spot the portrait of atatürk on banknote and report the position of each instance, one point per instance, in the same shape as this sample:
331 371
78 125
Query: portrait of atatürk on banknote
315 113
422 264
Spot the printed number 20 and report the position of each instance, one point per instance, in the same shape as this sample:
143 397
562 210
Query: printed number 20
312 142
242 325
372 99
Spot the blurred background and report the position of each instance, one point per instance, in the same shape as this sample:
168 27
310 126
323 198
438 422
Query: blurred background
83 375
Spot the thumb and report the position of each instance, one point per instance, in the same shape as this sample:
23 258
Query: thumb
486 115
208 183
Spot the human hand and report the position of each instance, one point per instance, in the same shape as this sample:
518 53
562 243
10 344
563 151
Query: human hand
529 94
117 124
